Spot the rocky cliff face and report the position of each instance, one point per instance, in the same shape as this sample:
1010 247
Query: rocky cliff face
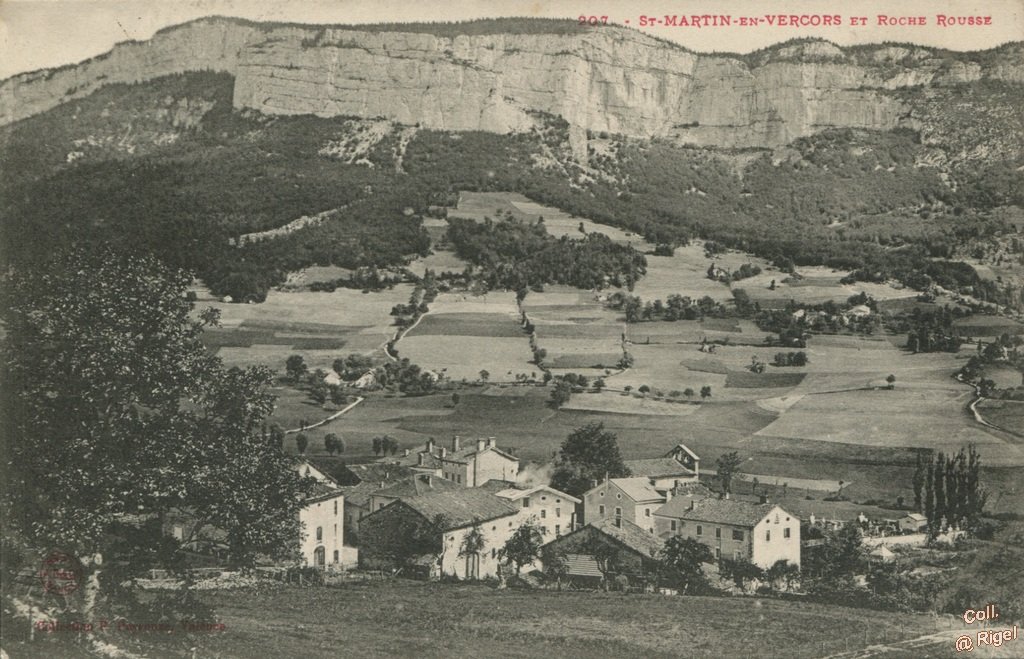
607 79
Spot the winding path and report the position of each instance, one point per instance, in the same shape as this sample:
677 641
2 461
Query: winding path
323 422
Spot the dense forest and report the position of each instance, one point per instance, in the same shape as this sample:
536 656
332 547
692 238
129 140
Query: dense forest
192 175
517 256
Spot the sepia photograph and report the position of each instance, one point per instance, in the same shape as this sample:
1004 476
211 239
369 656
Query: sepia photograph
595 328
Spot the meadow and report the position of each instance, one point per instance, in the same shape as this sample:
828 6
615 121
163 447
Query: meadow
406 618
464 334
320 326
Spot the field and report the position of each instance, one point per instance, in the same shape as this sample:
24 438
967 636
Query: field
463 334
318 325
445 620
575 329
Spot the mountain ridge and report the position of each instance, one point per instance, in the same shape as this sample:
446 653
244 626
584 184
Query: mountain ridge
607 79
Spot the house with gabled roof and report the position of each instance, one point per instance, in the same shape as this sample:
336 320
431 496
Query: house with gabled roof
411 486
604 549
762 533
360 481
551 510
435 527
677 467
467 463
631 499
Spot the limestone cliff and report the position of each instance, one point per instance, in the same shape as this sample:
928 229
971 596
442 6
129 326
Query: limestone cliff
606 79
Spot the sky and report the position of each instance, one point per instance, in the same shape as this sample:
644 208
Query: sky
38 34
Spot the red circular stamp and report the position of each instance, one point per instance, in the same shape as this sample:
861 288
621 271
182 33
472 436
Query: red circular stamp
61 573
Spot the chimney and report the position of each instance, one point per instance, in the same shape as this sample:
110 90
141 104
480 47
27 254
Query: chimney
492 442
455 443
593 483
668 495
420 459
480 444
405 453
693 504
430 445
763 498
444 452
382 485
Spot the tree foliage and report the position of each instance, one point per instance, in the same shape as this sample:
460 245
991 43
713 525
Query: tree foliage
589 453
524 546
112 406
683 560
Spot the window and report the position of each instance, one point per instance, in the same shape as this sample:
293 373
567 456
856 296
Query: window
179 532
335 506
558 530
600 509
647 512
618 496
602 493
335 555
785 532
335 530
718 532
737 534
558 512
768 535
543 498
319 533
776 518
618 511
494 552
700 530
526 502
736 555
543 514
718 552
673 525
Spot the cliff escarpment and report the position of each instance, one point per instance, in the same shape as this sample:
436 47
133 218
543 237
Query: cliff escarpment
603 79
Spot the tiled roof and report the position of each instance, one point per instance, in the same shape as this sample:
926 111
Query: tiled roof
638 489
467 452
416 485
517 493
658 468
461 507
681 498
496 485
375 472
581 565
722 511
322 491
631 535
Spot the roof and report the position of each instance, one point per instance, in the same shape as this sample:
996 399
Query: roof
638 489
658 468
464 454
630 535
461 507
322 492
375 472
581 565
721 511
517 493
416 485
682 447
917 516
495 485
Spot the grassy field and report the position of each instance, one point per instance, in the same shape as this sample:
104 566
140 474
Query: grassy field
399 618
464 334
318 325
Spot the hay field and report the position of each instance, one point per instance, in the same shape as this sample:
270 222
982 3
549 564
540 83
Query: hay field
575 329
320 326
615 403
463 334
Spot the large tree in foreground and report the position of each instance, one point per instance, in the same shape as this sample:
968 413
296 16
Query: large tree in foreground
113 408
589 453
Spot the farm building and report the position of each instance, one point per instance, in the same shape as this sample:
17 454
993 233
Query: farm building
432 530
604 550
410 486
550 509
631 499
913 522
762 533
680 465
361 481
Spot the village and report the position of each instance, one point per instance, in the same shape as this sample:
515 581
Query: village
469 510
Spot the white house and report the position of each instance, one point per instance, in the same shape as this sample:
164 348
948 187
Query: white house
553 511
323 526
762 533
468 463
